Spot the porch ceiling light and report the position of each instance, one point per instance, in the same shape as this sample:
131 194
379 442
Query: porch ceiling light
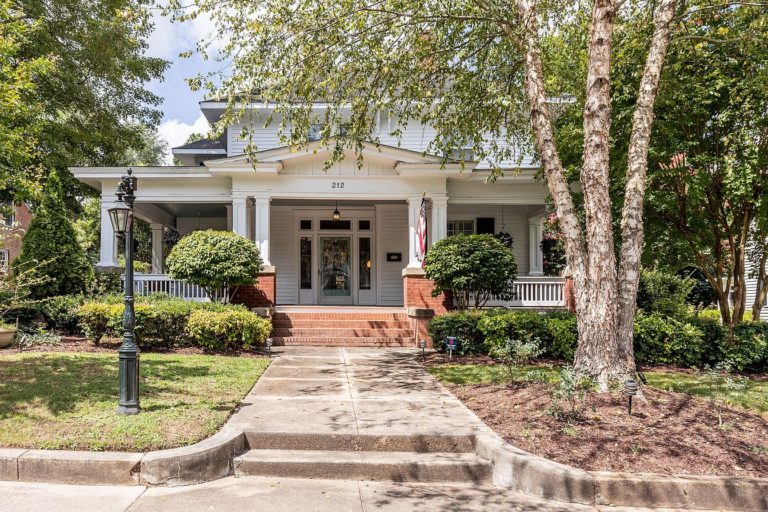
121 217
336 214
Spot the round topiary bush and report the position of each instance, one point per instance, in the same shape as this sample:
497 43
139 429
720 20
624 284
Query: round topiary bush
218 261
475 268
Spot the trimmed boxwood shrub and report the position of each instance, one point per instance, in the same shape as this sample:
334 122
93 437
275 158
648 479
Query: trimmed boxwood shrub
55 313
664 340
464 326
228 329
747 350
160 319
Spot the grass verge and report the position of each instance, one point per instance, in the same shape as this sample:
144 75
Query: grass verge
68 401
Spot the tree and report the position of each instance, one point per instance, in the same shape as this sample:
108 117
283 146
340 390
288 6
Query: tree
84 70
219 261
709 173
51 244
474 70
473 268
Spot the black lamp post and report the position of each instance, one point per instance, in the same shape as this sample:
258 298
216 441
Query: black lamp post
122 222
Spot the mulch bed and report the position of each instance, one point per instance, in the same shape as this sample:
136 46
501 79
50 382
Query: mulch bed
80 344
669 433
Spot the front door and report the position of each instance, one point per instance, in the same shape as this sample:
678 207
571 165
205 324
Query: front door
335 270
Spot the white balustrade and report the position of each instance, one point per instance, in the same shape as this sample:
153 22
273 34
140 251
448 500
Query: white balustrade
147 284
535 292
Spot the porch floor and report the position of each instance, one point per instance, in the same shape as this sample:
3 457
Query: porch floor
339 309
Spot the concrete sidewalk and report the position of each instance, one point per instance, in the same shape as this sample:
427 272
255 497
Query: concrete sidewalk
351 392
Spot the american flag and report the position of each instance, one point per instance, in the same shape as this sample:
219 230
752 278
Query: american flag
421 231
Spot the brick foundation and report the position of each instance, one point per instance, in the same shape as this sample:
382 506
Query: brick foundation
259 295
417 293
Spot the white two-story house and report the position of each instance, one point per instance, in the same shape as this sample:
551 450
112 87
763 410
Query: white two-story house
284 201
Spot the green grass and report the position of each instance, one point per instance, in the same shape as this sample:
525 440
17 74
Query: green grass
754 396
68 401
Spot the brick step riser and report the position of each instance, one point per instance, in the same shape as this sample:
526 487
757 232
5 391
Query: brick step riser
330 324
341 316
355 443
397 472
304 332
354 342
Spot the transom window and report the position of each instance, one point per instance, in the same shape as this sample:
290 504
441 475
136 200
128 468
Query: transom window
4 260
461 227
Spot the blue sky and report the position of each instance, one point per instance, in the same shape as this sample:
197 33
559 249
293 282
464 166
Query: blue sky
181 115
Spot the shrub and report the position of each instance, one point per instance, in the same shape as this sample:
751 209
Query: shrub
215 260
714 335
51 242
474 268
55 313
94 319
664 293
747 349
562 335
511 325
462 325
663 340
220 330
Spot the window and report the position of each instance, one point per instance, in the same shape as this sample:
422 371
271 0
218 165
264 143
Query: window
3 261
364 225
364 251
10 219
305 262
461 227
305 224
336 224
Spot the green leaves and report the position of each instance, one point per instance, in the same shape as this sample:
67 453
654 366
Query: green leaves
215 259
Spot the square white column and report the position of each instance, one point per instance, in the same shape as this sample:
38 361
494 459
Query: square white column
414 209
240 215
535 256
439 226
108 242
158 263
261 226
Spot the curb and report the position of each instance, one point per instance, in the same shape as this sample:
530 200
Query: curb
519 470
207 460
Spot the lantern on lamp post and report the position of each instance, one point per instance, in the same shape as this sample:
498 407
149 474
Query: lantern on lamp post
121 216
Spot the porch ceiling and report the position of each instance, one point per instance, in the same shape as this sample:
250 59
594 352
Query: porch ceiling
194 209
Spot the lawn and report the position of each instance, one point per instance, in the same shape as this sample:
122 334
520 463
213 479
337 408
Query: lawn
754 396
68 400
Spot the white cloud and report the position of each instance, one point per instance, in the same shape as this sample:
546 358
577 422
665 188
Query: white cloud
176 132
168 38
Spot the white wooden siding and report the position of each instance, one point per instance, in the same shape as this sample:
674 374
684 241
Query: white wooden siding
391 236
262 137
347 167
283 254
515 223
751 291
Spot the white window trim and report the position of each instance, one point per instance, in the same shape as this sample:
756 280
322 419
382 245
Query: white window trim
452 225
4 256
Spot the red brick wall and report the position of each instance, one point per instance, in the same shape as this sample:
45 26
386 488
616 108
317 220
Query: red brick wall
417 293
10 239
259 295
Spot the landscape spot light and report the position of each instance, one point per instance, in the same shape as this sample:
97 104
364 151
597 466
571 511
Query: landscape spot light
631 389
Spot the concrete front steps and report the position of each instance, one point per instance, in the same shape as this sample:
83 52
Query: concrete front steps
346 327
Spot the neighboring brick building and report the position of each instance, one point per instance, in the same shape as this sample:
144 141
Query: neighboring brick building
12 230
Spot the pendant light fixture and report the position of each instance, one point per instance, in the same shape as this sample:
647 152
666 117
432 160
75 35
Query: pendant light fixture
502 235
336 214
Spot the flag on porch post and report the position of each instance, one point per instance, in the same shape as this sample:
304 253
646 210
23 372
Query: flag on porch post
421 231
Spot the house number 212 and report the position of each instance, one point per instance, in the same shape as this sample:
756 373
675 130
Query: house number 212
337 184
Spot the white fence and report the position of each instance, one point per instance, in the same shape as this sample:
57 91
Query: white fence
535 292
146 284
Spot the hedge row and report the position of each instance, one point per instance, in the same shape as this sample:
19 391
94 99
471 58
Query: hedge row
163 321
696 341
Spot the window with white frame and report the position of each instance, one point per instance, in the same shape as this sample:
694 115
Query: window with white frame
9 219
461 227
3 260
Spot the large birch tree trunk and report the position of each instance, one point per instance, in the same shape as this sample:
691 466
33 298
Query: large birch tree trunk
605 350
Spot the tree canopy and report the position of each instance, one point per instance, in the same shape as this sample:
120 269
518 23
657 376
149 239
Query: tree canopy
72 82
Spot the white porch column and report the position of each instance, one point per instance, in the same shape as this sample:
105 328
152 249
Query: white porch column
439 225
261 226
414 208
108 244
240 215
157 248
535 256
229 216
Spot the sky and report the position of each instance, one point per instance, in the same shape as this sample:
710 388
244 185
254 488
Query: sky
181 114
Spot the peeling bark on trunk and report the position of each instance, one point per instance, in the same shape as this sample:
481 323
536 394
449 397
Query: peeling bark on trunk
632 232
761 288
590 252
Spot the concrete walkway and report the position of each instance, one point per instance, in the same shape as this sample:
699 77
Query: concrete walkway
350 392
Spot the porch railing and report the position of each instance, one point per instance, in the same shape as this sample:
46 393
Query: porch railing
146 284
535 292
